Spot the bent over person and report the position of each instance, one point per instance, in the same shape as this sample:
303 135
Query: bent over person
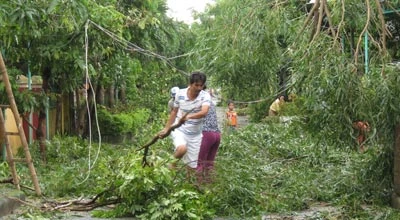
275 107
190 106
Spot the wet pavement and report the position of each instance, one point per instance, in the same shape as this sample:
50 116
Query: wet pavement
221 114
10 200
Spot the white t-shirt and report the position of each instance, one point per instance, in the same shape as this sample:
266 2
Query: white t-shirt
191 126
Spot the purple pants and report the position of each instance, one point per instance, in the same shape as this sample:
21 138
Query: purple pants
208 151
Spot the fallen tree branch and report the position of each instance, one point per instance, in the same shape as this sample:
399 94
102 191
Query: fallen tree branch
320 18
309 16
87 208
329 17
77 205
21 201
365 29
383 24
9 180
154 140
340 24
156 137
63 205
80 204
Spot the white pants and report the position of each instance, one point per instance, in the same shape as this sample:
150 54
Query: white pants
192 143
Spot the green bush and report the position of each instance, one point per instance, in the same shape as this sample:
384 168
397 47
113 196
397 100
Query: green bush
113 123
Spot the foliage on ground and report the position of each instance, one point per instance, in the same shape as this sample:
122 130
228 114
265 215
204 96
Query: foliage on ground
261 169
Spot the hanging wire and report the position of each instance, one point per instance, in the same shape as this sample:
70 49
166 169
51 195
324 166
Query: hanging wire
251 102
133 47
88 82
127 46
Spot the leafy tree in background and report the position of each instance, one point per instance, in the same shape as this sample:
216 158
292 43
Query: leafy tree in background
128 44
244 46
237 46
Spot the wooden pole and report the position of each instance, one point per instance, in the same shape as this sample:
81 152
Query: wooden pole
9 151
21 132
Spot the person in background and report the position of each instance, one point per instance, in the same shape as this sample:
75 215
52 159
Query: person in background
174 90
190 107
275 107
363 128
231 117
209 146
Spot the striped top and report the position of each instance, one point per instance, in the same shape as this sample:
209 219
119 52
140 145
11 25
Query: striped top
191 126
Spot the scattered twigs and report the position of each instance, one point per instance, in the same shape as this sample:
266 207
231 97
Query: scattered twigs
77 205
80 204
27 187
63 205
21 201
92 201
95 205
70 205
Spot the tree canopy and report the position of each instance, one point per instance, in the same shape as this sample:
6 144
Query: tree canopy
334 55
337 59
122 47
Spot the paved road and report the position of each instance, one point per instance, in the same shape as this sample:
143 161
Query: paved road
221 110
242 120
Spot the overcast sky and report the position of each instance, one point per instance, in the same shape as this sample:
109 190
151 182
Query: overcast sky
182 9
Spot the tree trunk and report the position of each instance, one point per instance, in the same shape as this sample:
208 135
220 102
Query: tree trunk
41 134
82 110
396 170
74 100
41 127
58 115
83 119
100 95
111 96
122 93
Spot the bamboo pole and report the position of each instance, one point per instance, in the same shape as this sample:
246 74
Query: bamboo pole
9 151
21 132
